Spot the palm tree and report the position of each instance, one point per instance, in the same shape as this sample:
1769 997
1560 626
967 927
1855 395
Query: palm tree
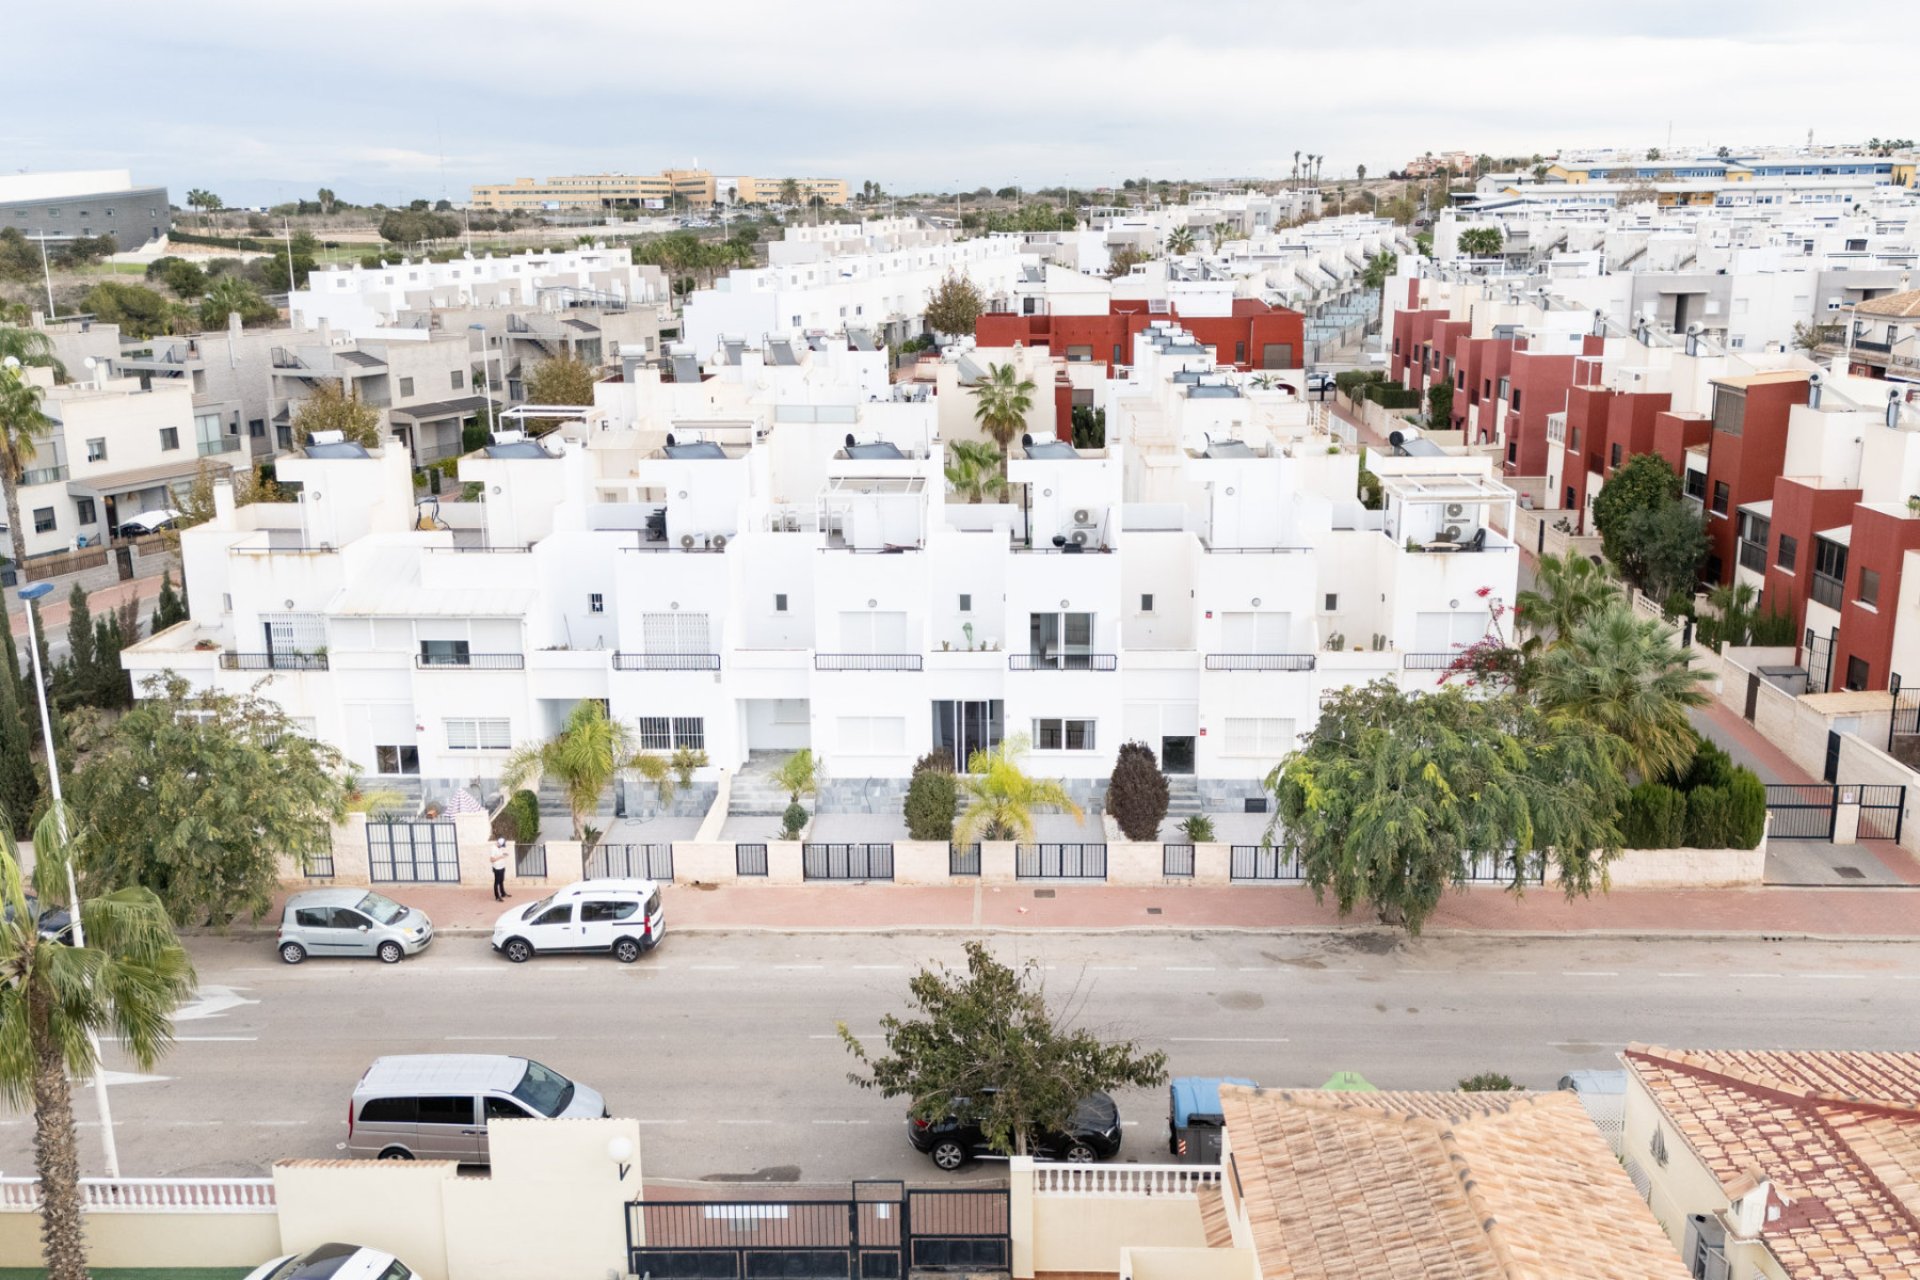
227 295
1001 798
1181 241
1567 590
1736 603
20 421
583 758
1621 672
1001 402
799 774
1360 172
29 346
789 191
974 472
57 1000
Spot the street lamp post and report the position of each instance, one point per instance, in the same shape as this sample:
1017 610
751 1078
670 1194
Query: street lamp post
29 595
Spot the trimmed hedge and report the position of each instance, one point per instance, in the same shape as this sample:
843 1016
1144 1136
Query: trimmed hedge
519 819
933 798
1391 395
1716 805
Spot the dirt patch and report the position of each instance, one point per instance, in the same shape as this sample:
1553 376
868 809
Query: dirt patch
1240 1001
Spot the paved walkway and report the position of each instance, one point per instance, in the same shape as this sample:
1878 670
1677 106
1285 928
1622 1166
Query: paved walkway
1838 913
54 611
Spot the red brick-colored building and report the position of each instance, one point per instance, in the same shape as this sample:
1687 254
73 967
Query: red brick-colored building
1255 336
1863 652
1746 454
1802 506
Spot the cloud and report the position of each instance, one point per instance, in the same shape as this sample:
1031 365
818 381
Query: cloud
389 100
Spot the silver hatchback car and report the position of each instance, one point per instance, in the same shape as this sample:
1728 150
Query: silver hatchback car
351 922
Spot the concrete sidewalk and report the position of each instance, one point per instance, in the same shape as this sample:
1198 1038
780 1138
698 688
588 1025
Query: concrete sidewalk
54 612
1849 914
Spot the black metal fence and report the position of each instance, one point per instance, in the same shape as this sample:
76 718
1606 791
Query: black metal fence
963 859
959 1230
470 661
867 662
1905 720
1801 810
1256 863
1883 808
1063 661
1260 661
846 861
628 862
1498 868
530 861
319 866
1176 859
1060 861
413 852
749 859
666 662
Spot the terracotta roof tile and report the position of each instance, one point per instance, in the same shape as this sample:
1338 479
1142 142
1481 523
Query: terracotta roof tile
1437 1186
1836 1134
1894 304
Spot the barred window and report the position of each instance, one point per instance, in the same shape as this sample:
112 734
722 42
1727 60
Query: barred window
664 733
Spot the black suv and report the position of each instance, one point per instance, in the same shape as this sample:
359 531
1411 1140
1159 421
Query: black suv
1092 1134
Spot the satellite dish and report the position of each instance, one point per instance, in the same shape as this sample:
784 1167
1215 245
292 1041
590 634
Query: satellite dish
1397 438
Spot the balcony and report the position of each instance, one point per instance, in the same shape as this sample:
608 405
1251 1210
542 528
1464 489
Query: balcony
224 444
666 662
1753 555
1260 661
231 661
470 661
1063 662
1826 590
1428 661
867 662
1877 348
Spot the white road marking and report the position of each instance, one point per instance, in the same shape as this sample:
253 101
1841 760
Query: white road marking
712 968
1131 1124
1679 975
1228 1039
277 1124
1514 973
652 1122
192 1039
1753 975
1585 1044
1112 968
858 1035
212 1002
500 1037
1189 968
747 1122
1588 973
793 968
886 967
843 1122
1832 977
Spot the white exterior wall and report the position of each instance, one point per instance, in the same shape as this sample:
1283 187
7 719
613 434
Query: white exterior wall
130 422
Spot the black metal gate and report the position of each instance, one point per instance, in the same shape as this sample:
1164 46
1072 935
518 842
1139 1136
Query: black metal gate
749 859
1060 862
880 1231
629 862
1801 810
1883 808
1176 860
420 852
1905 720
1263 862
846 861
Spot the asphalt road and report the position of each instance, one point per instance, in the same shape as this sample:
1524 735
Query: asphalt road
724 1046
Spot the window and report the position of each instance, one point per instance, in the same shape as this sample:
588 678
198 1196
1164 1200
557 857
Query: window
1080 354
459 379
169 438
257 428
1516 399
406 386
675 633
1276 355
1721 497
602 912
390 1111
43 520
208 436
1695 485
596 603
403 758
1146 603
1729 410
1856 674
966 603
1239 353
283 435
1615 456
562 914
310 918
1259 736
1116 353
84 506
664 733
1332 604
445 653
97 450
1869 587
1789 552
780 602
873 735
1063 735
1513 450
477 734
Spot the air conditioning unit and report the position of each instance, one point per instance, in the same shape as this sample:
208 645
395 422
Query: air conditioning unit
1079 538
1452 533
1455 510
719 542
686 542
1083 516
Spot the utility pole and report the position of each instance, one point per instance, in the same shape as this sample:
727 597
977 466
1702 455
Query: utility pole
46 272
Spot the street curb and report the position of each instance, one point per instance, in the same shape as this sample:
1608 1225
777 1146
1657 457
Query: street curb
1304 930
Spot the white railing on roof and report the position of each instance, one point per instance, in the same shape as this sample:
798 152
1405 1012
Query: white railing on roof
150 1195
1123 1180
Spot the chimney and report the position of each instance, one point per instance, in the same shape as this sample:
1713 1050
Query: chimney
223 500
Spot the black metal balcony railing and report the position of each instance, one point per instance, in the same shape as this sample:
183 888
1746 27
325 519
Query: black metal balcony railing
471 661
1753 555
1063 662
1826 590
1427 661
231 661
1260 661
1868 344
666 662
866 662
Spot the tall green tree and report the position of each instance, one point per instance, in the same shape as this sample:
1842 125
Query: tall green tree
954 306
57 1000
563 380
1567 590
975 470
19 783
583 759
1395 793
1481 242
330 407
139 311
1180 241
1645 481
75 678
1622 673
1664 548
231 295
984 1044
21 424
170 608
1380 269
1001 401
1440 406
1001 800
29 346
203 793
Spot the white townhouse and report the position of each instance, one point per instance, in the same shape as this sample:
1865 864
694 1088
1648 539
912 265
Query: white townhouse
768 559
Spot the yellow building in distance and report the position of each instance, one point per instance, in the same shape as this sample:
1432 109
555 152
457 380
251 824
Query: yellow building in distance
606 192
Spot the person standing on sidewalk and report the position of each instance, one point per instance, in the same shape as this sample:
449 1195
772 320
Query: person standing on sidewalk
498 861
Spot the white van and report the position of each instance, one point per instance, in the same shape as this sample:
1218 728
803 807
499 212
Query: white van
623 917
435 1106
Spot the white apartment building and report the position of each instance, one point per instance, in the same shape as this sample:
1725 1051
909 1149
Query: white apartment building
877 281
366 302
115 450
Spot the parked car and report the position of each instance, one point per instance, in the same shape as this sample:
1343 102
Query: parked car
334 1262
54 923
148 522
1319 383
351 922
623 917
435 1106
1092 1134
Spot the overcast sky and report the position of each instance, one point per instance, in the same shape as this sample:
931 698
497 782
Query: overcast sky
389 99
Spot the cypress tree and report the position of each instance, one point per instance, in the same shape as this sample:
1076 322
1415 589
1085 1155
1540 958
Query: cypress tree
19 785
170 608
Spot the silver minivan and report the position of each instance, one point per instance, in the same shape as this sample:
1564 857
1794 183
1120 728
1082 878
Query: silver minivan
351 922
435 1106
